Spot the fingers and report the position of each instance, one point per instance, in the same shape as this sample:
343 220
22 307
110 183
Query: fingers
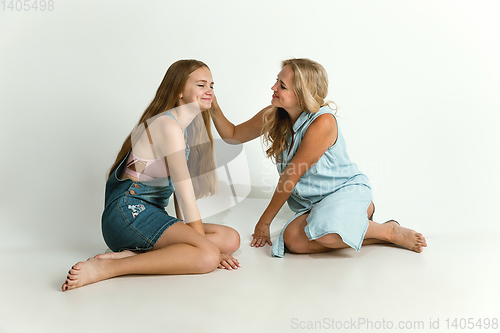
266 240
233 262
225 265
256 241
229 263
261 241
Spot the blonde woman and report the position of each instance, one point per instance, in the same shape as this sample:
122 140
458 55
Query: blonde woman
170 150
332 199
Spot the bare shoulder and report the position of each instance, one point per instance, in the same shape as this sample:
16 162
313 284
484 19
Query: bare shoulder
164 126
324 122
323 129
166 134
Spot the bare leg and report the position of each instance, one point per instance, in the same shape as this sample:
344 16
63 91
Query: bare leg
389 232
296 240
227 241
180 250
225 238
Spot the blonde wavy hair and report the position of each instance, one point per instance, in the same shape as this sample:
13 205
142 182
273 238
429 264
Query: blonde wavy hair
201 161
310 85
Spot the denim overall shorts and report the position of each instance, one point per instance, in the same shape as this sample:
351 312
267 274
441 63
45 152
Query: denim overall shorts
134 216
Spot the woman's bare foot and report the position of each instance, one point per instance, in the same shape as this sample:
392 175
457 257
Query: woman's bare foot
405 237
116 255
86 272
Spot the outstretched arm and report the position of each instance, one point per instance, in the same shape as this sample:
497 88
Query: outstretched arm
241 133
320 135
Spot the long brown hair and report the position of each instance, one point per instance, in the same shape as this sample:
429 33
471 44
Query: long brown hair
201 162
310 85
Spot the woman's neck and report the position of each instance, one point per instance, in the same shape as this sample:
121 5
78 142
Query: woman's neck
294 114
185 113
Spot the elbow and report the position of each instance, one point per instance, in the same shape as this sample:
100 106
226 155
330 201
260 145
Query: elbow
231 141
228 135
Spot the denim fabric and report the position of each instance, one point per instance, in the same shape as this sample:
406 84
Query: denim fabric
333 190
134 217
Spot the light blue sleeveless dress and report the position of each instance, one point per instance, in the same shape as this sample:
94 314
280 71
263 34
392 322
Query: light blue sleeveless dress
334 192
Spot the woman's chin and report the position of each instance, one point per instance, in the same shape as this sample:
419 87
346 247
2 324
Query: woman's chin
205 106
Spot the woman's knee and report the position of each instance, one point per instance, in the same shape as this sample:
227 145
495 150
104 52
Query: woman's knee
295 242
209 258
232 243
295 246
226 238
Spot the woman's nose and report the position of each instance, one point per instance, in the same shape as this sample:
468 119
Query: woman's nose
273 88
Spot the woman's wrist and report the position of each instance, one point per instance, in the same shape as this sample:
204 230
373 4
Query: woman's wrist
265 220
214 110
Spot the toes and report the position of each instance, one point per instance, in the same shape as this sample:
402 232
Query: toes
77 266
421 240
105 256
71 282
73 272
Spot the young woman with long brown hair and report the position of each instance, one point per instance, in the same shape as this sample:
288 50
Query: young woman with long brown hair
332 199
169 151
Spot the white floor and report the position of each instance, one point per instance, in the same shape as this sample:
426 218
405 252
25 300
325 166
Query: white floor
382 286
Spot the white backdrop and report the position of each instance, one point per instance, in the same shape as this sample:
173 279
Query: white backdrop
417 83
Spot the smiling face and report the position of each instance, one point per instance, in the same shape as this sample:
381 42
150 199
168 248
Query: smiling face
283 94
199 88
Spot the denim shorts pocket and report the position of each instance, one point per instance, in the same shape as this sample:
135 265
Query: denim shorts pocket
123 224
